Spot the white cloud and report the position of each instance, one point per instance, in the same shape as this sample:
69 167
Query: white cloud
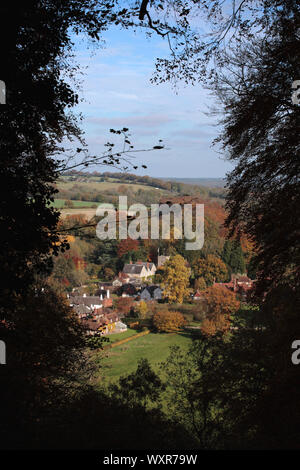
118 93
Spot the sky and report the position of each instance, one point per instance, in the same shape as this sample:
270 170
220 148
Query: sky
116 92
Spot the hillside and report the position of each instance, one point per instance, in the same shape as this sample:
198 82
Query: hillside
81 190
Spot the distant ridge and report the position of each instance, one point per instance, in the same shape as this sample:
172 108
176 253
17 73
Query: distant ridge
208 182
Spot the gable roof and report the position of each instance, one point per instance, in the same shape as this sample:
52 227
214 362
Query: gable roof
147 264
88 300
81 309
151 289
133 268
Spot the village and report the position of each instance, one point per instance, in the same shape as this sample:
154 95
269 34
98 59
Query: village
99 313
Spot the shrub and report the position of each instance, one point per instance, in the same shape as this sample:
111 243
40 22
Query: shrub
168 321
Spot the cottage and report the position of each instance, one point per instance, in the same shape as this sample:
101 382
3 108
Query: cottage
139 270
102 323
151 293
92 301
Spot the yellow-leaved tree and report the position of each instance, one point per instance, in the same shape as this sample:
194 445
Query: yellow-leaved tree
142 310
176 275
210 269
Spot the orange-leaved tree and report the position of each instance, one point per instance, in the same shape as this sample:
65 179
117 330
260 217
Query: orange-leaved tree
124 305
221 304
126 245
168 321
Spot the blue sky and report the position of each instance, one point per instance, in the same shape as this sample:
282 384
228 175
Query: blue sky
116 92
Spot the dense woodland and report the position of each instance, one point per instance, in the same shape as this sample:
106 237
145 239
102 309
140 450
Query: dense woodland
236 386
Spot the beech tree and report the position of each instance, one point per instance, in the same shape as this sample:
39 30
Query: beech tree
221 305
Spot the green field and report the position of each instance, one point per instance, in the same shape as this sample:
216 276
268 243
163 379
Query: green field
60 203
118 336
123 359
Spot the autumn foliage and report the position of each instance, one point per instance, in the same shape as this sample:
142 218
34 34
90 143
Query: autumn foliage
213 210
175 276
168 321
127 245
72 220
210 269
124 305
221 304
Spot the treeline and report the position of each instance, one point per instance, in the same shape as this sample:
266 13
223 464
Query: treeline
129 178
121 178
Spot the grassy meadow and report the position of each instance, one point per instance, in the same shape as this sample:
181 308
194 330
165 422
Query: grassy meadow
123 359
60 204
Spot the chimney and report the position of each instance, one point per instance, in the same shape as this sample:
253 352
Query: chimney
107 293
